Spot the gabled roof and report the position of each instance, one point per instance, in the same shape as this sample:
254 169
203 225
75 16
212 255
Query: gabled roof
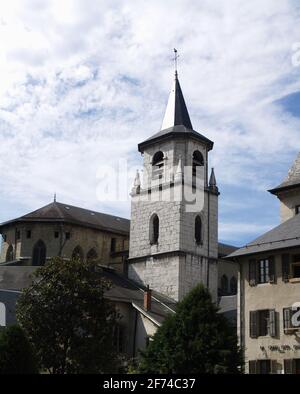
59 212
286 235
292 180
176 122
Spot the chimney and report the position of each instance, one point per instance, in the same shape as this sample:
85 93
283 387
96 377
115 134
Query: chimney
147 299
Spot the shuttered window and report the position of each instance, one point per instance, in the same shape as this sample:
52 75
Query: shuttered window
285 263
289 366
272 273
263 323
287 320
272 323
252 366
253 324
252 273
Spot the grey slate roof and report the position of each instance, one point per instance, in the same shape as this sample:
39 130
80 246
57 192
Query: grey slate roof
58 212
125 290
179 131
286 235
292 180
179 121
225 249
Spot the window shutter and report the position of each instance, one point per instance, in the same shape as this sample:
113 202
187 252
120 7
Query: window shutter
274 367
272 273
272 323
289 366
252 273
285 262
252 367
287 316
253 324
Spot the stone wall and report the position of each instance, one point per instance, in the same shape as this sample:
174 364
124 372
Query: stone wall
84 237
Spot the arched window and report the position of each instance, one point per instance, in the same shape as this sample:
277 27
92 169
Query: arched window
158 165
39 253
10 253
198 161
154 229
224 284
2 315
198 230
78 253
233 285
92 255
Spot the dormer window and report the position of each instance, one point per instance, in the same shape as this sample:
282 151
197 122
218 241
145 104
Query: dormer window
158 165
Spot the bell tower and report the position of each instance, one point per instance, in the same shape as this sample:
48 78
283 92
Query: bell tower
174 209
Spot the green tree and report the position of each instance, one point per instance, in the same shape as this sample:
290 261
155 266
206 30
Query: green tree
16 353
68 320
196 339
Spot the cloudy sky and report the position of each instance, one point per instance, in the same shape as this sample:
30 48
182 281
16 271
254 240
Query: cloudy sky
83 81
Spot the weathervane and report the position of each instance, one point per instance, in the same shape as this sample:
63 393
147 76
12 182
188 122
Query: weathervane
176 56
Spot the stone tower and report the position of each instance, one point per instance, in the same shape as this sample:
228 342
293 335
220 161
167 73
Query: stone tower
174 211
288 192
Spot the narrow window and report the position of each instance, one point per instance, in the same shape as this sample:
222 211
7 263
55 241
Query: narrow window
28 234
92 255
18 234
198 230
158 165
113 242
78 253
154 229
198 161
68 235
224 285
297 209
10 253
4 237
39 253
233 285
56 234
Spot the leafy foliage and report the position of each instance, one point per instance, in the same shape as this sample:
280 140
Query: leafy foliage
196 339
67 318
16 353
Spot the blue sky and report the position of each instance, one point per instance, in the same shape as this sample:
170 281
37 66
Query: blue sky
82 82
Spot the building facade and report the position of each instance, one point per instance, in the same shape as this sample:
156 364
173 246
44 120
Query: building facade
174 239
66 231
269 289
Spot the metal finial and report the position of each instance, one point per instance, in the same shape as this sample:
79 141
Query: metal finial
176 56
54 199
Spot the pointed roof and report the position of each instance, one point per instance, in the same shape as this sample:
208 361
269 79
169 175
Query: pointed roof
292 180
65 213
212 179
176 113
176 122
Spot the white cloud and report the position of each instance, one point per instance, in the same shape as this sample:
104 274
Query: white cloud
83 81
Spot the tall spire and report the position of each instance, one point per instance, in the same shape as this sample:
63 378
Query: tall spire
212 181
176 113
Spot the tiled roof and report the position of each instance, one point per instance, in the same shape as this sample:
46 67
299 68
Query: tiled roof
286 235
292 180
58 212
